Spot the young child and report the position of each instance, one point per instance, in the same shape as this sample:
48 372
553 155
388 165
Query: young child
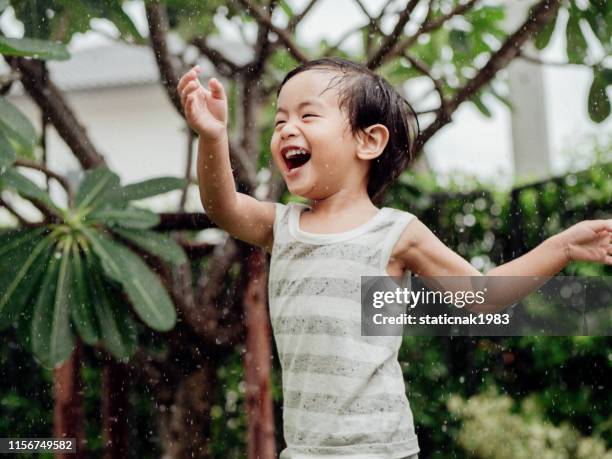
341 135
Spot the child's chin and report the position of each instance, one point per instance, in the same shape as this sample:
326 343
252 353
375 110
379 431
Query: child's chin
301 189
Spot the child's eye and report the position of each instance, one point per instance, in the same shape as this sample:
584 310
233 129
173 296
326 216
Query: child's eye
278 122
309 114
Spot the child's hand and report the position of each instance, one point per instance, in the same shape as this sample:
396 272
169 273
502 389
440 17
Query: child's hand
205 109
589 240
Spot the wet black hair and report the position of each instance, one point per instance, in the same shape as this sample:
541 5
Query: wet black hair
369 99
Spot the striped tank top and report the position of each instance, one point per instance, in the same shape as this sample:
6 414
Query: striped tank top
343 393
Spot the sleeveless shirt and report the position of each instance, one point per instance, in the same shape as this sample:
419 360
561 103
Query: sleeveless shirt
343 393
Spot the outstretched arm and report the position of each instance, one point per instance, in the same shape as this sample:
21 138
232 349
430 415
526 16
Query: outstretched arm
424 254
241 215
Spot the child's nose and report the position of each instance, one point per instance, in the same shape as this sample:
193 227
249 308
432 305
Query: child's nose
288 130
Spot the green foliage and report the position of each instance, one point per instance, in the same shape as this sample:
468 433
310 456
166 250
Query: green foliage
492 430
76 274
599 102
148 296
28 189
36 48
16 134
61 19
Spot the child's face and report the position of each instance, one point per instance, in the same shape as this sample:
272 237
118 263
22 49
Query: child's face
310 122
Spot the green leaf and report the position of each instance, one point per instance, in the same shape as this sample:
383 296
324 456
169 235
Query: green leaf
152 187
7 152
13 239
52 337
576 43
600 21
542 37
144 289
23 256
599 102
82 311
505 100
28 189
157 244
477 100
17 126
127 218
98 189
123 22
33 47
460 41
116 326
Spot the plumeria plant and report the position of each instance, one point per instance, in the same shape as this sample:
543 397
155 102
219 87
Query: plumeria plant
66 277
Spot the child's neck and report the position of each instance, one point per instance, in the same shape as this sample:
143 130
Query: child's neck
343 202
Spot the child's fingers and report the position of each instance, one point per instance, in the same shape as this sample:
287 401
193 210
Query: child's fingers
191 75
188 89
216 89
600 225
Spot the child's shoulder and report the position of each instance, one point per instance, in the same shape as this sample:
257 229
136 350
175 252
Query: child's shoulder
413 232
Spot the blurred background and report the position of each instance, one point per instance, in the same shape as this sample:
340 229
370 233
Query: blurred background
97 163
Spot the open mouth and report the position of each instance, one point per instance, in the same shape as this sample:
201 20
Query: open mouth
295 157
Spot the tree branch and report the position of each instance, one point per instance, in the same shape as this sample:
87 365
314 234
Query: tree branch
206 314
245 168
51 101
263 47
158 26
184 221
158 29
540 15
295 20
387 46
224 66
264 19
22 220
400 46
423 68
188 164
195 250
6 81
49 173
537 60
332 49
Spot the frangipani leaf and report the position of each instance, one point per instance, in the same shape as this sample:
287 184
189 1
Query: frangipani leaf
23 257
52 337
98 189
27 188
38 49
576 43
157 244
128 218
152 187
116 326
82 311
144 289
17 126
599 102
7 152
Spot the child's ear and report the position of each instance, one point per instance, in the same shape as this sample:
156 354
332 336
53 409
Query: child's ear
372 141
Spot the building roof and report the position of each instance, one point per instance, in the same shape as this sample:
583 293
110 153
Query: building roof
120 64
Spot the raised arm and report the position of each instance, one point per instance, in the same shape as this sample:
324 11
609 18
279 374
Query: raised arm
424 254
241 215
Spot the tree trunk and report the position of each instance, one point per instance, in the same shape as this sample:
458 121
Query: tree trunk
257 362
185 425
114 400
68 408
